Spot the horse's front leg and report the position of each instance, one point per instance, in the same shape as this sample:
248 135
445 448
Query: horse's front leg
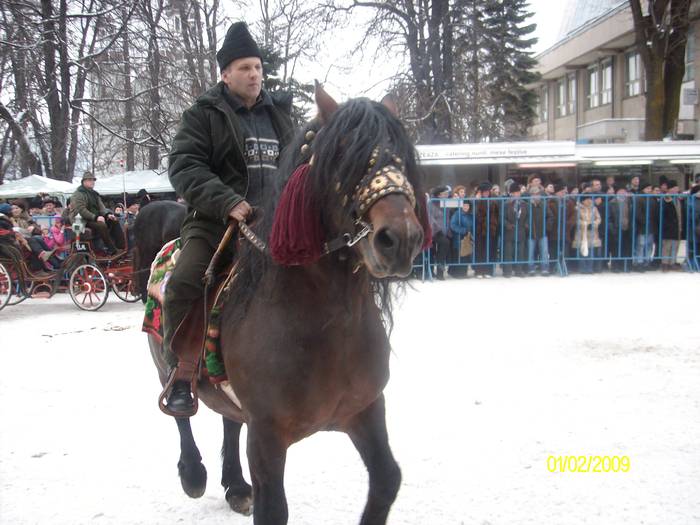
238 492
193 475
267 454
369 435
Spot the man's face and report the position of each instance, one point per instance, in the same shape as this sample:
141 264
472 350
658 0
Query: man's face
89 183
596 186
243 77
49 207
536 181
610 181
134 208
646 189
635 182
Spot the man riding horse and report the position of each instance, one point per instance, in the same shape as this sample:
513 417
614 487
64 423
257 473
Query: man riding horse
223 158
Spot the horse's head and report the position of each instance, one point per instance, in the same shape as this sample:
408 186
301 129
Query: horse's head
364 171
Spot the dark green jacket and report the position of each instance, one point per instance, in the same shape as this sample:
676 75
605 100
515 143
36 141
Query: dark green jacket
207 165
87 203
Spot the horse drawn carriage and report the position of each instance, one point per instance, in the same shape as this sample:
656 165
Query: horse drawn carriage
86 274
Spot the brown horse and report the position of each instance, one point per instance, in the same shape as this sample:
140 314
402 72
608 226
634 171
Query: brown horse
305 346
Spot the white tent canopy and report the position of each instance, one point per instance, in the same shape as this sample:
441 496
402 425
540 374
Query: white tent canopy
34 184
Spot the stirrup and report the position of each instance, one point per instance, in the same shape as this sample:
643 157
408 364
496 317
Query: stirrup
182 372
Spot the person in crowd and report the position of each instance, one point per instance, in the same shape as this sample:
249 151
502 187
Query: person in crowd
646 226
538 226
495 190
620 229
144 198
601 202
515 217
38 246
533 180
671 226
35 206
61 237
88 203
663 184
558 206
459 192
549 189
634 185
21 219
694 232
586 240
439 224
49 208
118 210
461 226
609 185
486 229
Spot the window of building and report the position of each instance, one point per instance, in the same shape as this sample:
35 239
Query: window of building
561 97
571 95
690 57
542 103
633 76
593 87
606 78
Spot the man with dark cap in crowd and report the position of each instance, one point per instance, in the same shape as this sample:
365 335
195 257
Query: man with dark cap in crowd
439 223
515 219
646 224
486 230
671 226
223 157
88 203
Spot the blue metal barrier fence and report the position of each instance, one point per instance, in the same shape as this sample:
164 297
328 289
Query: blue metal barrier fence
526 235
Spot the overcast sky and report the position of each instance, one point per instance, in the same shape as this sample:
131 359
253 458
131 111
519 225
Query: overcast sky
349 76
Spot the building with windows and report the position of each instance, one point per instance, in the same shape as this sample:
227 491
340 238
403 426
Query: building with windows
592 87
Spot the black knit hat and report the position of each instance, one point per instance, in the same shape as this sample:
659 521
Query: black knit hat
559 187
485 186
237 44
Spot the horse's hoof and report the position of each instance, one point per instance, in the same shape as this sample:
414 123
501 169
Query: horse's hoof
241 503
193 479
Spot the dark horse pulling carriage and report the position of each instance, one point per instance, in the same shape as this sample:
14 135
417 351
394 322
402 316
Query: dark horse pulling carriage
304 345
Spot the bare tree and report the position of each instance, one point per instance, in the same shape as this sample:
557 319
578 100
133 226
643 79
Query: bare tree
661 35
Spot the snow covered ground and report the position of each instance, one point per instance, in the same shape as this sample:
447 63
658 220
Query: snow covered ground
490 377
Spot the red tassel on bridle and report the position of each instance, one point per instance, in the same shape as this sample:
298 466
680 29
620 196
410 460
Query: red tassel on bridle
296 237
425 223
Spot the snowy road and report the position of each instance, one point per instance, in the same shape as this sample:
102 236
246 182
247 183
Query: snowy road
489 379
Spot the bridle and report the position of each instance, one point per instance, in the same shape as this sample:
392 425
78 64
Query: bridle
376 184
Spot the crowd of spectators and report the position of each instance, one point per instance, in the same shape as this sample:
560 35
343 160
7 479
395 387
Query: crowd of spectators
539 227
40 228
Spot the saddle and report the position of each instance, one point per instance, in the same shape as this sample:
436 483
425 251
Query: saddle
196 340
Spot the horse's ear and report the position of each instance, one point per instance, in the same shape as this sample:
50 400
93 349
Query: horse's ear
325 103
389 103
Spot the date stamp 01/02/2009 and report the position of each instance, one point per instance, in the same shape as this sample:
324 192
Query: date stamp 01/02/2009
588 463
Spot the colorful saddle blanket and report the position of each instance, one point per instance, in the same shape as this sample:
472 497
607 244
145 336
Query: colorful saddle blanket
161 270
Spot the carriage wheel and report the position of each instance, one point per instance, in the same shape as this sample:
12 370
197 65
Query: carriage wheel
5 286
125 289
88 287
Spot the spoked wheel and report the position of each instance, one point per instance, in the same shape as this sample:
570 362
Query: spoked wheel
5 286
125 289
88 287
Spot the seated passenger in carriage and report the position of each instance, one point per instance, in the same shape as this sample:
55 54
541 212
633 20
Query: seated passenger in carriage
14 245
104 225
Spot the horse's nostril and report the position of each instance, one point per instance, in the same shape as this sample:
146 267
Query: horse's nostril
385 239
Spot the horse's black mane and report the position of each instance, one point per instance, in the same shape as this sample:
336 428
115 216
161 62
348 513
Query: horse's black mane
342 150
